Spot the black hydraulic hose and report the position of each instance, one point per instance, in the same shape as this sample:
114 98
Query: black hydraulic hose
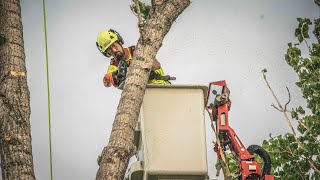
255 149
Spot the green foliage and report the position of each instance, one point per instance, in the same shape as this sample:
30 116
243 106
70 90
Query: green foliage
308 70
144 9
233 165
316 30
303 29
2 39
290 160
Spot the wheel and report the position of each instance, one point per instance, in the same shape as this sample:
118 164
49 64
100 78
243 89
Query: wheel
255 149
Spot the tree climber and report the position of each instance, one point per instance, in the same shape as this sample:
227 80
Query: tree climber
109 43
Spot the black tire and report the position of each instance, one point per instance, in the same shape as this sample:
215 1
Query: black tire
255 149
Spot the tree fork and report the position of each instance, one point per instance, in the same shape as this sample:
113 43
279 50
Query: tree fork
116 154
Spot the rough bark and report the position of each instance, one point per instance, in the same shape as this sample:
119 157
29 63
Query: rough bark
15 138
115 156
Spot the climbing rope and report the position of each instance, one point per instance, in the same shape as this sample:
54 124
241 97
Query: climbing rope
48 84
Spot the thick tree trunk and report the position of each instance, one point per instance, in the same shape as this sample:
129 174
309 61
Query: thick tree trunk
15 138
115 156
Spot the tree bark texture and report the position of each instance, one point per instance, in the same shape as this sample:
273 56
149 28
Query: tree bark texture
15 137
115 156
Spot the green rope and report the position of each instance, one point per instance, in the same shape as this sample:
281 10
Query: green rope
48 84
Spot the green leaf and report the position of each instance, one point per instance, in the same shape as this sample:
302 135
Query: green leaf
265 143
290 137
294 115
302 30
264 70
299 84
300 110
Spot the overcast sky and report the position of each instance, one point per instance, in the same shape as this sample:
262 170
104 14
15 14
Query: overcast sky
211 40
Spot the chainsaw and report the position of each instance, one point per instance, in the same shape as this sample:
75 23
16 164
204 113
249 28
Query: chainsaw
122 74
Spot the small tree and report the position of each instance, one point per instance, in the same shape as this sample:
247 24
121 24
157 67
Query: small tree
297 156
115 156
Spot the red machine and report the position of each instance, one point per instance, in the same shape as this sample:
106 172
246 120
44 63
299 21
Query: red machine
219 104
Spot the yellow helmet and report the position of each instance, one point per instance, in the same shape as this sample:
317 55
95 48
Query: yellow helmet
106 38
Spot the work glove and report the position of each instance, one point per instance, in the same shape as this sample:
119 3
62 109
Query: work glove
111 78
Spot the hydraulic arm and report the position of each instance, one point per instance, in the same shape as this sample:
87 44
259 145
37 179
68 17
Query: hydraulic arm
218 104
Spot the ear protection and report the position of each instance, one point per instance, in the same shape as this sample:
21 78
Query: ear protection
119 36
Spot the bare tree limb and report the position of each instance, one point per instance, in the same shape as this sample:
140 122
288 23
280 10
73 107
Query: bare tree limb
281 109
311 163
276 107
285 106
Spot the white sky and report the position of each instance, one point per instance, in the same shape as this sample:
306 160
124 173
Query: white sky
211 40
